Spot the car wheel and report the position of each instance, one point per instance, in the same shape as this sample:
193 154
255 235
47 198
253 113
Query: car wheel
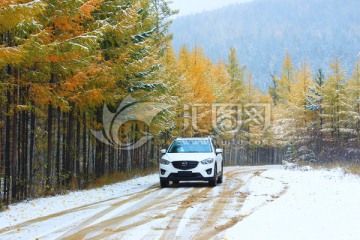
164 183
212 182
220 178
176 182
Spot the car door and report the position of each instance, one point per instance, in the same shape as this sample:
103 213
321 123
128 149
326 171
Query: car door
218 157
219 161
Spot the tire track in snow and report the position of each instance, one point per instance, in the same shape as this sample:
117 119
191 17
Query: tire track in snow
205 207
208 233
228 199
185 210
194 198
25 224
113 225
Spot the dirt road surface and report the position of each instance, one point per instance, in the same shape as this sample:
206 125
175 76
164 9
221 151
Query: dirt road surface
182 211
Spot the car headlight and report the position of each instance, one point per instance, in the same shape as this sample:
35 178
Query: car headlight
164 161
207 161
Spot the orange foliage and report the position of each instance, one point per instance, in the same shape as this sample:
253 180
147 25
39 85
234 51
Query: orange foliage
7 3
87 8
63 23
63 57
197 73
75 83
91 98
41 95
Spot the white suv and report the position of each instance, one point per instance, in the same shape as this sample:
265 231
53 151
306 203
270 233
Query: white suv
191 159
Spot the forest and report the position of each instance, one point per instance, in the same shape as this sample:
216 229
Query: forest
63 62
262 30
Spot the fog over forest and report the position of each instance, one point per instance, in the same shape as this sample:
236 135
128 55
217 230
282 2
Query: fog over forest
312 31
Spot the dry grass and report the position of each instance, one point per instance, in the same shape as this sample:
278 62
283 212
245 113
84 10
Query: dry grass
349 167
120 177
353 168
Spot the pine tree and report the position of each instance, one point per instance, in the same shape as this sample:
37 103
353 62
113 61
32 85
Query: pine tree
220 77
174 93
60 62
333 101
297 101
351 112
197 78
290 154
237 75
286 79
284 128
314 104
19 22
314 98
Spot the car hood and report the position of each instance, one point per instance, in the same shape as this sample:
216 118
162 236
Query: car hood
187 156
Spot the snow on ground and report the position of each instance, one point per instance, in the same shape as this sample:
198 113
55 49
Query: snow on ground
43 207
318 204
269 202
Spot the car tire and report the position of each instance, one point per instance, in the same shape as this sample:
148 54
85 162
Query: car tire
164 183
212 182
220 178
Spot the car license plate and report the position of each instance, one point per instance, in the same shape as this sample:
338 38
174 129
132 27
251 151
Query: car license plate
184 173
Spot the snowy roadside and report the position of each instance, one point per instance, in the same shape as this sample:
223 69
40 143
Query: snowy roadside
253 203
42 207
318 204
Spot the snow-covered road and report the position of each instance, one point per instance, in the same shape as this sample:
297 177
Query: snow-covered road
265 202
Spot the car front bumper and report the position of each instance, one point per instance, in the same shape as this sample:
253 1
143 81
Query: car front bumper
192 177
202 172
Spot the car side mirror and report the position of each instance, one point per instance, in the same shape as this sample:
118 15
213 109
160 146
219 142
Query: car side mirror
163 151
218 150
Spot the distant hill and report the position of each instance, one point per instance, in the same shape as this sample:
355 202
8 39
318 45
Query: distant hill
316 31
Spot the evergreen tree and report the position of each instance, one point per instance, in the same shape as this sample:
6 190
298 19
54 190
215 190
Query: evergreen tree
334 93
351 112
314 104
60 61
297 101
237 77
287 78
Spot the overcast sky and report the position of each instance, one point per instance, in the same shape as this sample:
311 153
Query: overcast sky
195 6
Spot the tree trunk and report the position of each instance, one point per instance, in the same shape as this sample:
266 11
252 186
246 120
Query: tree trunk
24 154
49 142
99 150
7 152
58 149
32 147
64 150
70 149
14 152
49 148
85 172
78 142
1 159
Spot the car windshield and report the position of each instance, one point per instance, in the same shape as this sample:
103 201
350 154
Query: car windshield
190 146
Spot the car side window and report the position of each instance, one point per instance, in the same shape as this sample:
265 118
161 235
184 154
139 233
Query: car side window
213 145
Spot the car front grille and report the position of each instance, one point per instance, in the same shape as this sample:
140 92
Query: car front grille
185 165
